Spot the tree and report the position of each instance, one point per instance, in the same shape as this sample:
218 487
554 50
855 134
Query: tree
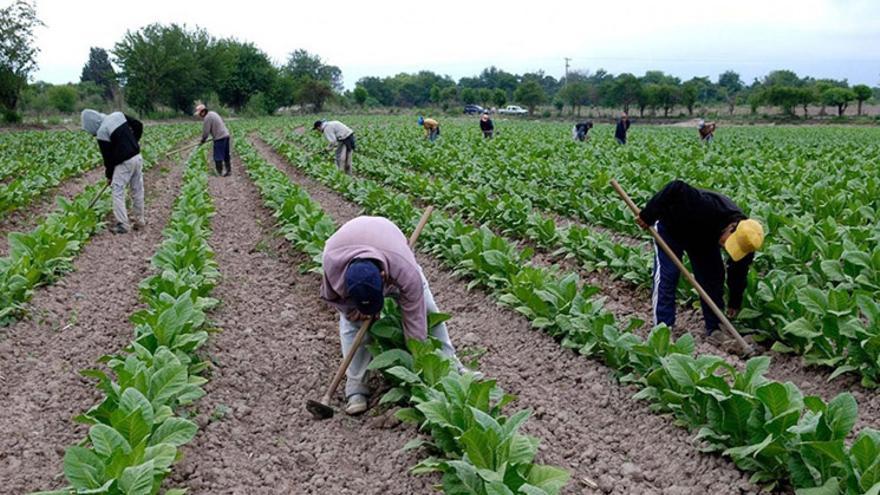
301 64
249 70
170 65
558 104
530 94
784 97
99 71
62 98
863 93
731 85
313 92
667 97
576 94
806 96
689 93
18 55
499 97
360 95
839 97
485 95
469 96
624 91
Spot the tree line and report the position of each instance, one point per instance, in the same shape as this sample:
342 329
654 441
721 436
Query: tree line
172 66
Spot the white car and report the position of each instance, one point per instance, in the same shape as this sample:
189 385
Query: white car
513 110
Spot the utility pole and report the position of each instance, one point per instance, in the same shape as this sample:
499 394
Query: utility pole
567 60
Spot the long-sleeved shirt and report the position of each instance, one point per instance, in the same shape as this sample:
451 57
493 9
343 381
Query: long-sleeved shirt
214 127
118 137
696 218
335 131
430 125
376 238
622 127
487 125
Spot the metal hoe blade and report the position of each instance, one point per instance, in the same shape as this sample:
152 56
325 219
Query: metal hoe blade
319 410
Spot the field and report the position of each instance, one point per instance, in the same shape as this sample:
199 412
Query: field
180 357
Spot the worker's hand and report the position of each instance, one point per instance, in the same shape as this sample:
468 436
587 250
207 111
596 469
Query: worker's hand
732 312
641 223
355 315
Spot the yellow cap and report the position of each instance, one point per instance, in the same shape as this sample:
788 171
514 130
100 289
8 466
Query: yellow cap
747 238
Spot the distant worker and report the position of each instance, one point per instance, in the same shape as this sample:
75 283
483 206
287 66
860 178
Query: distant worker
487 126
365 260
118 137
698 222
580 130
342 137
622 128
707 131
432 128
214 127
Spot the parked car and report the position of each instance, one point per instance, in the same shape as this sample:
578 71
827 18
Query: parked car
513 110
472 109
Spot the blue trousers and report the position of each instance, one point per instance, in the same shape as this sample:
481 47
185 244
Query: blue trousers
708 270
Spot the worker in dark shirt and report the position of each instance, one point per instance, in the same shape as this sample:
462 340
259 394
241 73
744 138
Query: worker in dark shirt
698 223
580 130
487 126
707 131
118 136
622 128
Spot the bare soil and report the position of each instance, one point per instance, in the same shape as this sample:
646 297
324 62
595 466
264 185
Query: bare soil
587 422
25 219
71 323
279 347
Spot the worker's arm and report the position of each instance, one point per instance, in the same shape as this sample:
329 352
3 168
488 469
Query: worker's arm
670 194
412 304
737 276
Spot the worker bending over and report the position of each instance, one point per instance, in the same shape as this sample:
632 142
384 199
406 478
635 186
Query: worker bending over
367 259
707 131
214 126
432 128
699 222
341 136
580 130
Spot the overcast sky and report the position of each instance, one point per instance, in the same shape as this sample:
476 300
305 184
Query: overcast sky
821 38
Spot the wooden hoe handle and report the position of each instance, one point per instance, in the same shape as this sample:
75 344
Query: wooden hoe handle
725 323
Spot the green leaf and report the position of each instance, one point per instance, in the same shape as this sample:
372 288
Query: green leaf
391 358
82 468
174 431
497 488
394 396
108 441
831 487
403 374
548 478
137 480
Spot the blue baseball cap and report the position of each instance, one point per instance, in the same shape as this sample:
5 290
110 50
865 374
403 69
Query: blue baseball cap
363 282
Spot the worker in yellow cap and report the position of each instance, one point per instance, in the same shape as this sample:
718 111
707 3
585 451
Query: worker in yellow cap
699 223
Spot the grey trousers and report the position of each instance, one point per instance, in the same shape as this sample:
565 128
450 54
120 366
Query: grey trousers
343 158
128 173
356 382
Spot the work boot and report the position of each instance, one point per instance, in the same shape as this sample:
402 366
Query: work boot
218 165
357 404
118 228
228 168
717 339
139 225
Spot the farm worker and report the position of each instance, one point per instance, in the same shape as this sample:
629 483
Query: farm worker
342 136
432 128
367 259
580 130
707 131
699 222
487 126
118 136
213 126
622 128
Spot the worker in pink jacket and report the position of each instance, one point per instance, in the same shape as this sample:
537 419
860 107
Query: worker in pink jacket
367 259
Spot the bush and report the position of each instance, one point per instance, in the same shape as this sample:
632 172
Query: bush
546 114
62 98
11 116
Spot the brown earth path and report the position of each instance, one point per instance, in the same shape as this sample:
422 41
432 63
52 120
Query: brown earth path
71 323
278 347
586 421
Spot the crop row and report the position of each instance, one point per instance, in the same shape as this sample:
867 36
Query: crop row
136 430
42 255
766 427
827 314
482 449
